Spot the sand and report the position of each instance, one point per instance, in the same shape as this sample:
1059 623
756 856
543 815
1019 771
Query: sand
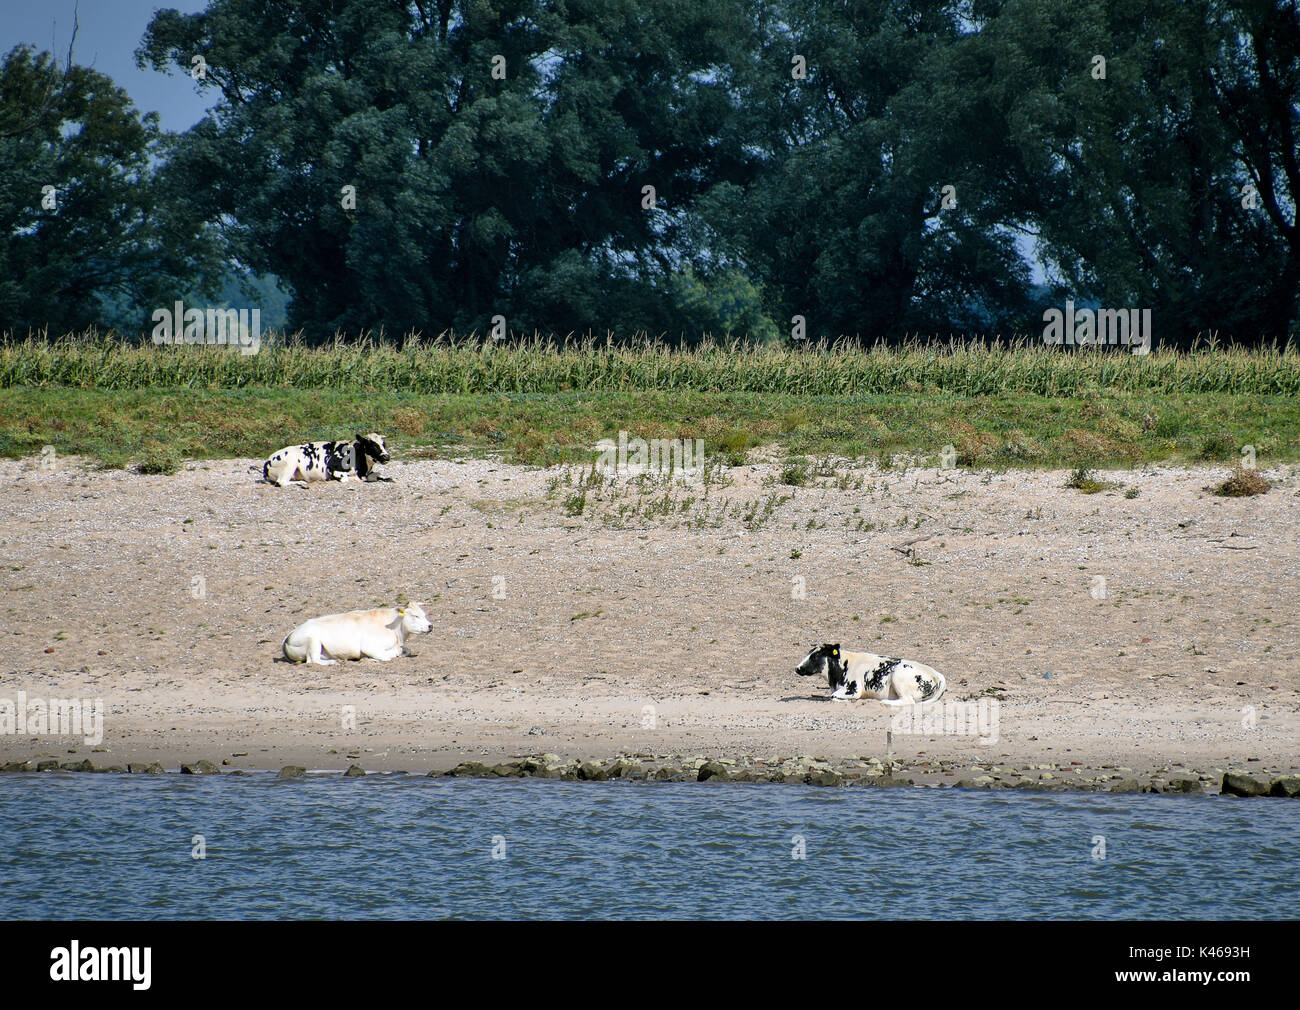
589 635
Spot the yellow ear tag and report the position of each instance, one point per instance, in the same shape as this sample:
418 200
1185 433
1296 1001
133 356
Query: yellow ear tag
835 652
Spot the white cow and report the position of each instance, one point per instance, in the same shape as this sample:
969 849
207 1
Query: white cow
358 634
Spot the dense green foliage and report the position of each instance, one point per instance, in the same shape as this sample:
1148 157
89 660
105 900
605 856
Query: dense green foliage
799 153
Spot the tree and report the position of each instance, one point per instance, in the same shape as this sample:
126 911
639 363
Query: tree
476 193
849 223
86 235
1128 175
1133 181
1256 88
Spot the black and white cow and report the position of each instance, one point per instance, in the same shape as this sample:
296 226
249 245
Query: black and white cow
326 460
866 675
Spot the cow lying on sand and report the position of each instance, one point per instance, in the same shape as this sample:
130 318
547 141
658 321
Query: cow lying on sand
865 675
359 634
327 461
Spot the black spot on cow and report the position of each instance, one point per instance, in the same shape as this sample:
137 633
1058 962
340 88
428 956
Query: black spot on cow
837 668
927 687
877 679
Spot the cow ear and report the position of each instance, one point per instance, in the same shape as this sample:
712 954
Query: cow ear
360 437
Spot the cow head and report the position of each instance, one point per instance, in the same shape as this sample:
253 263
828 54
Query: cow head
824 661
414 619
373 446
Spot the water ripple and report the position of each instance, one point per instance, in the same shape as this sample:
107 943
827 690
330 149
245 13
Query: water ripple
394 847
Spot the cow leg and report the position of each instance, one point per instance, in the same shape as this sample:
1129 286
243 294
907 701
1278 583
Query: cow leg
316 653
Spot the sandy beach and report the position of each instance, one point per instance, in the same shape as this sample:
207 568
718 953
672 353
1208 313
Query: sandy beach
1114 637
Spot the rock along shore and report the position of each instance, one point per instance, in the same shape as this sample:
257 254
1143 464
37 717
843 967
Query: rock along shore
803 770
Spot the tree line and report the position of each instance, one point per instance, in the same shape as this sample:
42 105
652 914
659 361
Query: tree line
872 169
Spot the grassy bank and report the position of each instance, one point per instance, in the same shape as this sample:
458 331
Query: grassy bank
160 426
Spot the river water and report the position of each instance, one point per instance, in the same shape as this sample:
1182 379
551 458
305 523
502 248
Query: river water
406 847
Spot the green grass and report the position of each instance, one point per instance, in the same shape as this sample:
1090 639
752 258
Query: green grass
119 428
997 406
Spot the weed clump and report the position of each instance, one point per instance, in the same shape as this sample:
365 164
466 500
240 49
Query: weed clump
796 473
1083 479
1242 484
159 459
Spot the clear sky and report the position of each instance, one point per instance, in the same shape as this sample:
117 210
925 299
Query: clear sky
109 32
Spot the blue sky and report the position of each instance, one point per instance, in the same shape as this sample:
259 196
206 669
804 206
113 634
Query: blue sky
110 31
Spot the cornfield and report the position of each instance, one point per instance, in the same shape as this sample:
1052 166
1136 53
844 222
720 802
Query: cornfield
548 365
